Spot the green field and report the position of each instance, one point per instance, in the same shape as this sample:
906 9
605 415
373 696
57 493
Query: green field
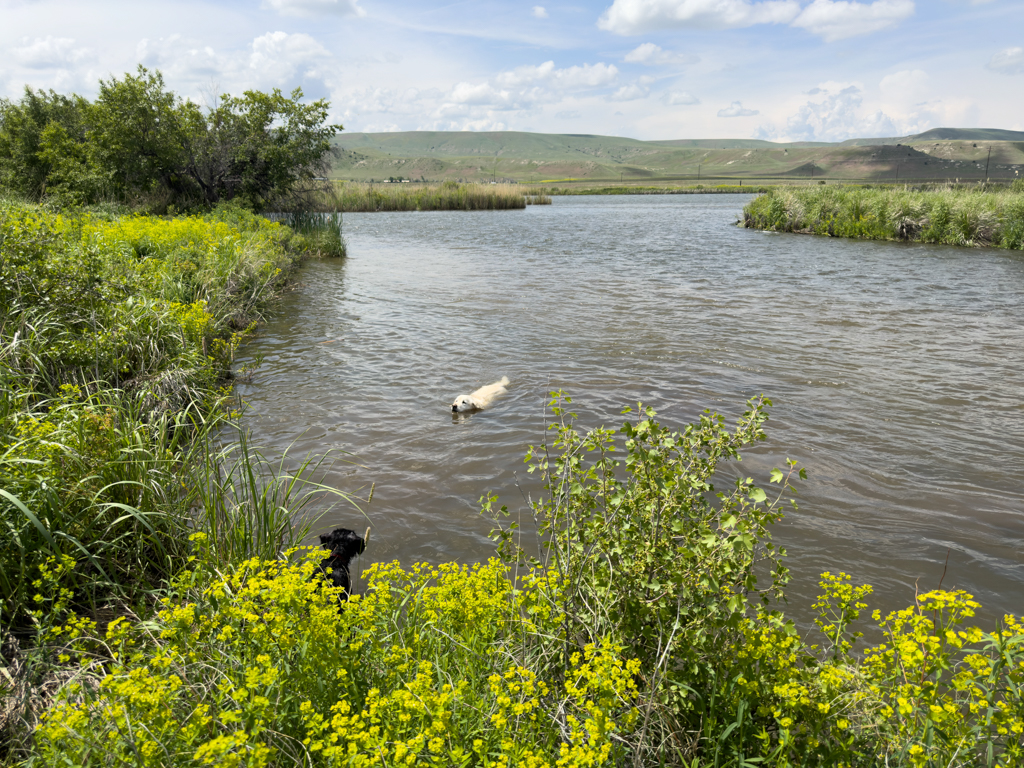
549 159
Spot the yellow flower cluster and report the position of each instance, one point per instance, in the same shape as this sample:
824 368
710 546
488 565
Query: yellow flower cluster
934 676
420 670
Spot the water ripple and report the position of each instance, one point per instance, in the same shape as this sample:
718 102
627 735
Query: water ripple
895 372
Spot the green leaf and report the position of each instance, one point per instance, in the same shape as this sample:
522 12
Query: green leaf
757 495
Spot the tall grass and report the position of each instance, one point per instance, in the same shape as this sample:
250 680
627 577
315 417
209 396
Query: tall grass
953 215
322 230
117 336
447 196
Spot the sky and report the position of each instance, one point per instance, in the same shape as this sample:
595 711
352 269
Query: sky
783 70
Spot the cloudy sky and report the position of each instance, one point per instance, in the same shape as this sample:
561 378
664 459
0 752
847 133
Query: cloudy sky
794 70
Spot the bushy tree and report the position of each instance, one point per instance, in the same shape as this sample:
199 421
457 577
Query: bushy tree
29 130
141 143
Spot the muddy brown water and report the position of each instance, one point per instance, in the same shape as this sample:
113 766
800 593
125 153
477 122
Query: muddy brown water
895 371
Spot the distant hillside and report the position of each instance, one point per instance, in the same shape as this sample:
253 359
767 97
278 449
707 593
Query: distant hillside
737 144
548 158
968 134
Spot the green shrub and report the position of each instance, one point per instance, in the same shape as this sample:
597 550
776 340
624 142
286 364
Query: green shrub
644 637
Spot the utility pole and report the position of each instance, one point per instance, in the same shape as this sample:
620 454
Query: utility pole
987 162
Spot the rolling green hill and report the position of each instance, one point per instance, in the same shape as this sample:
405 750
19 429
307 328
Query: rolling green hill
941 153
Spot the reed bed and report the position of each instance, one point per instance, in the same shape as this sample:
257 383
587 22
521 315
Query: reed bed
321 229
447 196
697 189
954 215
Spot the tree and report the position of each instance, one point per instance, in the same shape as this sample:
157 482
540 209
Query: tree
138 134
25 128
261 148
143 144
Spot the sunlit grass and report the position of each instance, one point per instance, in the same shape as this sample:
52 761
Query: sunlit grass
953 215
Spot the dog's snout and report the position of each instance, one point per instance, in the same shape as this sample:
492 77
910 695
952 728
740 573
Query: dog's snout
455 409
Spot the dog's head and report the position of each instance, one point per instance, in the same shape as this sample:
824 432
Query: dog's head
343 543
462 404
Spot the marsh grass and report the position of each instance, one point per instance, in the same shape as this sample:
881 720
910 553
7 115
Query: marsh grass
322 230
447 196
951 215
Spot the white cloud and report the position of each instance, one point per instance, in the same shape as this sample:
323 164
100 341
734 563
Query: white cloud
50 53
280 57
540 12
835 115
680 99
1009 61
568 115
831 19
585 76
630 92
633 17
736 109
908 86
905 105
652 55
483 93
187 60
520 91
315 7
838 19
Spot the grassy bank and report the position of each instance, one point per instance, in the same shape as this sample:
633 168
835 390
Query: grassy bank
117 335
117 338
966 216
651 634
447 196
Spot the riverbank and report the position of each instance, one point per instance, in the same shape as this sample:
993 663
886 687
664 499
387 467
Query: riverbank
117 337
955 215
696 189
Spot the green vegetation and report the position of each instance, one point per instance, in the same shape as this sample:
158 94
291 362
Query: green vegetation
696 189
140 144
569 159
448 196
117 338
649 633
968 216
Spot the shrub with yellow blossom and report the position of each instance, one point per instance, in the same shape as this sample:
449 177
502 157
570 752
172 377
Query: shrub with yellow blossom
257 666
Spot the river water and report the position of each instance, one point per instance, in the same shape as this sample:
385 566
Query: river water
895 372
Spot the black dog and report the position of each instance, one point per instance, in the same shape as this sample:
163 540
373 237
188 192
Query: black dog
344 545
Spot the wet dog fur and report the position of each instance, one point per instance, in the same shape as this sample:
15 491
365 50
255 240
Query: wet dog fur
343 545
480 399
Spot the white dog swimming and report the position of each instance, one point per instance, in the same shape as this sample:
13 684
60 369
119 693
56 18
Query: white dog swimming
480 399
